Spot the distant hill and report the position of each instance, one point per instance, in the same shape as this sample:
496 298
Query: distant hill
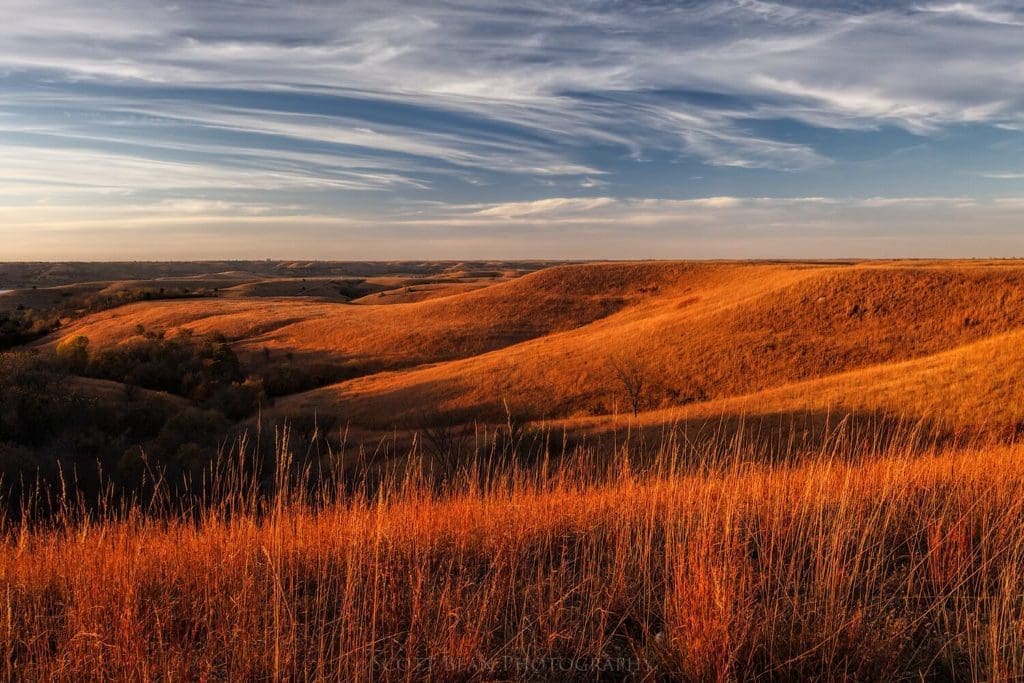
711 338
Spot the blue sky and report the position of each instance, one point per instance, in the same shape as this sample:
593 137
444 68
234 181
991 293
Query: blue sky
712 128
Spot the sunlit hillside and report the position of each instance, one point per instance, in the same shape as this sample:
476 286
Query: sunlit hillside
487 342
903 338
653 470
978 385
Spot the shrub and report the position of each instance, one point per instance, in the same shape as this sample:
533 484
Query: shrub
24 325
74 353
284 378
196 368
237 401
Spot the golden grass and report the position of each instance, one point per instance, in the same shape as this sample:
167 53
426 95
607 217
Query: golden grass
414 293
793 336
717 337
978 386
372 338
870 556
890 565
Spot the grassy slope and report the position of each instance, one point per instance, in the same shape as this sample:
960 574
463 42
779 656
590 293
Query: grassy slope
399 335
898 568
742 335
979 385
897 565
791 336
119 393
557 370
414 293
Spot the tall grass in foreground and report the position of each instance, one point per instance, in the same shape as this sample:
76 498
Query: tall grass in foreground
899 565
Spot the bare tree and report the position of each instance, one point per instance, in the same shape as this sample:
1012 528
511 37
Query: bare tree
443 436
631 371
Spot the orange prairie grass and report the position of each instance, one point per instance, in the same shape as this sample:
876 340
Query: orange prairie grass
902 564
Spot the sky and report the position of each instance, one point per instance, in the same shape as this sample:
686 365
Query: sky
136 129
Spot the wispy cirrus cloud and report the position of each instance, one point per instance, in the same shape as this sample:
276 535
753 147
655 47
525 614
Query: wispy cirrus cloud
1003 15
367 109
602 227
997 175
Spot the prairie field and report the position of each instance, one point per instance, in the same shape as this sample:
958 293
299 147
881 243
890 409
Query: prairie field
508 471
696 353
853 564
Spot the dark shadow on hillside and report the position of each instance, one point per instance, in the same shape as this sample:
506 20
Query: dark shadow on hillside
781 437
772 438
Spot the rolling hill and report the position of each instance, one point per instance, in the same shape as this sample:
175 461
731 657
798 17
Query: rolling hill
709 339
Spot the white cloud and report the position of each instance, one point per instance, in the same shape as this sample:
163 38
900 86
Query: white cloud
561 227
544 207
163 108
1003 176
975 12
933 66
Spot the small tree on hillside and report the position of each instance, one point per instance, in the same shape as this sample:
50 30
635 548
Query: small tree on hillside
632 373
74 353
442 435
